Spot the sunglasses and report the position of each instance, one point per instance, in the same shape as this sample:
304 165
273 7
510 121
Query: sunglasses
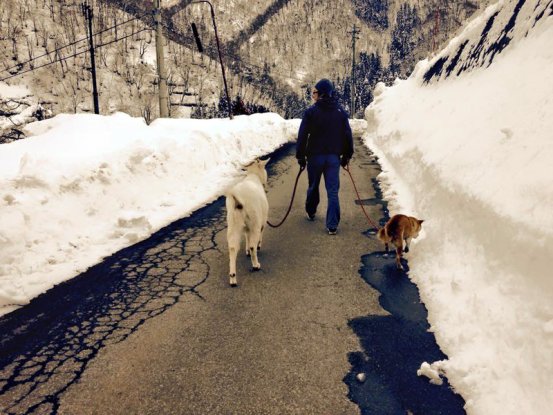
315 92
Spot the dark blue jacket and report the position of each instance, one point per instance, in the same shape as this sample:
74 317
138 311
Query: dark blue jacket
325 129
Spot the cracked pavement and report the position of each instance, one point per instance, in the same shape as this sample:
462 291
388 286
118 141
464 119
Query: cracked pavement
155 329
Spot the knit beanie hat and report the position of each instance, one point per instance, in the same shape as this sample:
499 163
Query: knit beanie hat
324 86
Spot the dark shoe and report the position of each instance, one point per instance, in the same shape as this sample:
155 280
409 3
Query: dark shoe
310 217
332 231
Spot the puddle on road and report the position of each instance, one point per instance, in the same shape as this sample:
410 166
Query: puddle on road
368 202
394 347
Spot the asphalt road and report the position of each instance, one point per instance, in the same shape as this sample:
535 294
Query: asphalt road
156 329
277 344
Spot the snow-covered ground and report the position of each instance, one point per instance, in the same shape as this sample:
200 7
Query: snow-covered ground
473 156
84 186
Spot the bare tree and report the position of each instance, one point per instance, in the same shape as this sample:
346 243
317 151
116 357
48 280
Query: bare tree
14 31
142 48
30 50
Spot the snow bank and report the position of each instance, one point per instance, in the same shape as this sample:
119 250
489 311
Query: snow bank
85 186
473 156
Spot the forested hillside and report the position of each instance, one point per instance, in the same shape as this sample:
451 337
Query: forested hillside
273 51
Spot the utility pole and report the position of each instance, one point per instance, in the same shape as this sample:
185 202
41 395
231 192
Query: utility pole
218 50
354 32
436 30
162 76
87 11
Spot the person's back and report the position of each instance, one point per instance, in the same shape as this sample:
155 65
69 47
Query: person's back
324 142
328 129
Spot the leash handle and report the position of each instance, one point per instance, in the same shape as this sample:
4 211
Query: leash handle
346 168
302 168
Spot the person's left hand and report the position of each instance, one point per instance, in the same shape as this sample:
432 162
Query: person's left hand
302 162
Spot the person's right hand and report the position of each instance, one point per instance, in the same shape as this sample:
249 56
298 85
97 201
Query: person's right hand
344 161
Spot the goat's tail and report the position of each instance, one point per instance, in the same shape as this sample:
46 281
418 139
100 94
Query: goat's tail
237 203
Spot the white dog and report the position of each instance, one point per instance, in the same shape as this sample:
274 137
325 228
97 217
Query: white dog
247 212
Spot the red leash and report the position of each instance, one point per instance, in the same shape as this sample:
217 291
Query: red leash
291 201
346 168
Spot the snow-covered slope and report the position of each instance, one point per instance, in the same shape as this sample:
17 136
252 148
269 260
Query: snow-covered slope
466 144
84 186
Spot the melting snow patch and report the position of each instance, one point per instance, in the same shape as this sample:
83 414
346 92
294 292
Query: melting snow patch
361 377
133 227
432 371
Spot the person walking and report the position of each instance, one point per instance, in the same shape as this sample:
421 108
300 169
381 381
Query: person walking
324 143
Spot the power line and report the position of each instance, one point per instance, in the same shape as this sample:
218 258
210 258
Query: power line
232 56
235 57
124 37
68 45
74 55
41 56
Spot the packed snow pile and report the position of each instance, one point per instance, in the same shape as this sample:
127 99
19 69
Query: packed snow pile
82 187
466 144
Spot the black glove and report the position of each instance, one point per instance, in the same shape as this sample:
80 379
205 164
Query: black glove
302 162
344 161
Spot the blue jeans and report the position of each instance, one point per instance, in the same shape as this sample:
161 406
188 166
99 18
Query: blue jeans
329 166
